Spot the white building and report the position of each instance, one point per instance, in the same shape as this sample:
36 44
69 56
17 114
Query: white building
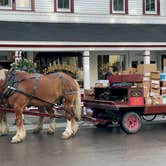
83 35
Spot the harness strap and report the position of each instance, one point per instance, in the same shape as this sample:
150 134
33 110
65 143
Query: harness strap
71 91
34 88
10 81
31 78
29 95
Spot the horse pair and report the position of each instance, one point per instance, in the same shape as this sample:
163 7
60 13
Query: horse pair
19 89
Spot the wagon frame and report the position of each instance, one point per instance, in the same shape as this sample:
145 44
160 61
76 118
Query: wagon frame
128 114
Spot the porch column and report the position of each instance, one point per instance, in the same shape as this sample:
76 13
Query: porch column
147 57
86 69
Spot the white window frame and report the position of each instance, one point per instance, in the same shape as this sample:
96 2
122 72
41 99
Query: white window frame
63 9
120 11
151 12
24 8
7 7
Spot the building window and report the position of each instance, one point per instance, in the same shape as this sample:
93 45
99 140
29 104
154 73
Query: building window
151 7
119 6
5 4
64 6
23 4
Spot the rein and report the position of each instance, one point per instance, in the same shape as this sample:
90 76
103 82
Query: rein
29 95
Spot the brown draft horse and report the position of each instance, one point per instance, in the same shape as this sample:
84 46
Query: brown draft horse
50 88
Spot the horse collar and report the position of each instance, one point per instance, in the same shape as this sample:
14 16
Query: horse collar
10 81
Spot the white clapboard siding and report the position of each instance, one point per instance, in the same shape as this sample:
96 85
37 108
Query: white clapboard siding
135 7
87 11
163 8
92 6
44 6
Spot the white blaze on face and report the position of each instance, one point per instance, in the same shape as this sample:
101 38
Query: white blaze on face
2 74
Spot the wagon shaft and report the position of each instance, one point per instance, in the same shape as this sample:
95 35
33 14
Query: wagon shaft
33 112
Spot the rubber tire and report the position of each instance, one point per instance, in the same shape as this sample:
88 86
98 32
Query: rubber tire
149 120
124 122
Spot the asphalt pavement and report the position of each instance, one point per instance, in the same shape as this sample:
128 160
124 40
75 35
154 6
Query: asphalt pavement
91 146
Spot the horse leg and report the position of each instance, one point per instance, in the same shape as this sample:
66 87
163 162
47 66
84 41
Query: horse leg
4 128
74 126
20 133
39 125
52 124
69 116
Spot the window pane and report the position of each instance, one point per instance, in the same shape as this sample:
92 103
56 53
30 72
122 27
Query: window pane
23 4
63 4
5 2
150 5
118 5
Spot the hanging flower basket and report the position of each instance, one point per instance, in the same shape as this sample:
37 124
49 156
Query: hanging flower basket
24 65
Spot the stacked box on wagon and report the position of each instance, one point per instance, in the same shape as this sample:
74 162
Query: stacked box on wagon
154 84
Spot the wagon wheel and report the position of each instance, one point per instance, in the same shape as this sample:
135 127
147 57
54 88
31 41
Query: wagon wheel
149 117
131 123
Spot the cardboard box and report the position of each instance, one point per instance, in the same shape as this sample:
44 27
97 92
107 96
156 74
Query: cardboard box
147 74
102 83
146 87
146 84
146 92
131 70
146 78
146 68
155 75
157 100
163 91
154 92
99 85
148 100
162 76
89 94
155 84
163 83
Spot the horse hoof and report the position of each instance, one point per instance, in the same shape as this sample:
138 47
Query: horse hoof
3 134
16 140
49 132
74 132
66 136
36 131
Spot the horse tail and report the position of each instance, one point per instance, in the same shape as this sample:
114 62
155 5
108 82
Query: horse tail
78 102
